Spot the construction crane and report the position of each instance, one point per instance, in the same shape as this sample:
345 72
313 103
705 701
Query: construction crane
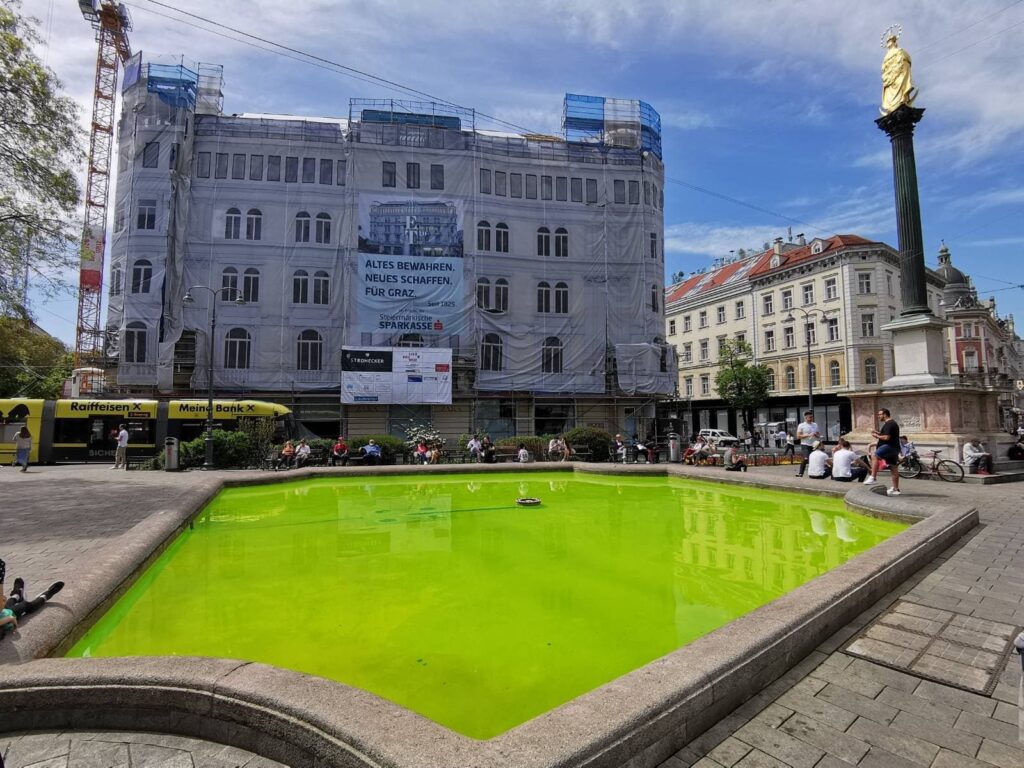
112 23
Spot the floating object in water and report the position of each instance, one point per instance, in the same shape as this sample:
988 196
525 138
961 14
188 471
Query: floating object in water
528 501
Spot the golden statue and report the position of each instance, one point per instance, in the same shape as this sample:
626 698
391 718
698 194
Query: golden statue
897 88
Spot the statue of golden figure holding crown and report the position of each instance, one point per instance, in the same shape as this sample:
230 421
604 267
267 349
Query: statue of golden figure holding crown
897 87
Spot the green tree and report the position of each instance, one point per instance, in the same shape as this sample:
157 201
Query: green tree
32 363
743 385
39 148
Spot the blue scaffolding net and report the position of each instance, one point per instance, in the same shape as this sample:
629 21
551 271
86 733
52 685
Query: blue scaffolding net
626 123
176 85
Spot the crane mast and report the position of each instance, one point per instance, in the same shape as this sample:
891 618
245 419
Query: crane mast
112 23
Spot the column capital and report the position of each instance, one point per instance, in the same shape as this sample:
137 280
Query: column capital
900 121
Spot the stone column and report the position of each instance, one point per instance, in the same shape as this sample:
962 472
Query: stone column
899 126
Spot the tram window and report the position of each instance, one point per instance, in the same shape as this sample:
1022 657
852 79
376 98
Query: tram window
72 430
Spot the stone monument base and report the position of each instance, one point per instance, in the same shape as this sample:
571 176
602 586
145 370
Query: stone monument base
937 417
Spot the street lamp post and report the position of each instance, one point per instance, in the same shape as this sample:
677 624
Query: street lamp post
807 313
188 300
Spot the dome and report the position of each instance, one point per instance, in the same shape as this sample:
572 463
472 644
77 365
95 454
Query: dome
954 277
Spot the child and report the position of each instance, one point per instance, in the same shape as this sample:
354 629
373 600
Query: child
524 455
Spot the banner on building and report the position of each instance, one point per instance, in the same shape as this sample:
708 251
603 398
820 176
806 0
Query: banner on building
386 375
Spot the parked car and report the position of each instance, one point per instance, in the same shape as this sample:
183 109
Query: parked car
718 436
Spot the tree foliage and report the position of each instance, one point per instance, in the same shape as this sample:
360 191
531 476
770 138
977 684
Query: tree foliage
743 385
32 363
39 148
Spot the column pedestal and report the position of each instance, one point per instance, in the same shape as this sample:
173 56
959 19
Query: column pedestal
919 346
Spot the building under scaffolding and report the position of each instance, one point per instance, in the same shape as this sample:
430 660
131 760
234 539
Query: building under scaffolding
542 257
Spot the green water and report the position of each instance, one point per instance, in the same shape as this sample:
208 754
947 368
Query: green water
443 596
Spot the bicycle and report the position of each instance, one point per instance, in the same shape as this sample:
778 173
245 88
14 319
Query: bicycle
948 470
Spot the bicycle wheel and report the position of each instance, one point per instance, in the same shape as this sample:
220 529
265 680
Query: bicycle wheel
910 468
949 471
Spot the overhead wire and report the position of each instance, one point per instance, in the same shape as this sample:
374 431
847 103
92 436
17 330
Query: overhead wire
973 24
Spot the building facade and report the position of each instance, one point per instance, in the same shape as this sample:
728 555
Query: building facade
544 256
812 312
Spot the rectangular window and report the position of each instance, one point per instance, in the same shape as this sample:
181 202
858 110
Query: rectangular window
273 167
705 384
291 170
788 338
238 166
769 341
485 181
741 310
255 167
810 334
654 245
689 386
531 187
831 288
807 291
546 189
515 185
146 214
687 353
342 172
151 155
308 170
327 171
720 314
702 319
671 327
619 191
576 190
833 329
787 298
562 188
721 346
436 176
203 165
863 282
867 324
647 193
704 349
634 193
220 170
388 174
687 325
768 304
412 175
499 183
741 338
888 283
173 157
591 190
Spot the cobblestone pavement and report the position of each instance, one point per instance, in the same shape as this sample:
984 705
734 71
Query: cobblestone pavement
831 710
111 749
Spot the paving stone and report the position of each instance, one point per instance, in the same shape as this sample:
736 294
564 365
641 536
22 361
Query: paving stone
898 637
758 759
975 639
879 758
773 715
910 623
96 754
991 729
999 629
262 762
929 730
860 705
780 745
884 675
849 681
894 741
970 702
941 713
833 762
922 612
820 709
948 759
887 653
729 752
971 657
1007 713
832 741
951 672
36 748
1002 755
54 762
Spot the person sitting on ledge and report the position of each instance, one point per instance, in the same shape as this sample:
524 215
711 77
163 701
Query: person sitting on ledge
17 605
847 466
371 452
733 462
302 454
976 456
817 462
339 452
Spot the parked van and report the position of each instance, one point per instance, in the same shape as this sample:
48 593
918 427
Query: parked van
718 436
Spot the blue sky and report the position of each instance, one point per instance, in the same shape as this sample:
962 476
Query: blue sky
771 103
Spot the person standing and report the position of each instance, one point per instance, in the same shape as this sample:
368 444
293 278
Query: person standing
888 450
807 433
22 448
121 454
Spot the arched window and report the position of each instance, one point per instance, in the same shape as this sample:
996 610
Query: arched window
551 355
254 224
323 228
229 284
501 238
115 281
411 340
237 348
790 377
543 242
135 343
562 243
483 293
771 378
870 371
561 299
321 287
483 236
310 351
491 353
302 227
142 276
300 287
232 224
543 297
833 373
251 285
812 369
501 295
654 298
